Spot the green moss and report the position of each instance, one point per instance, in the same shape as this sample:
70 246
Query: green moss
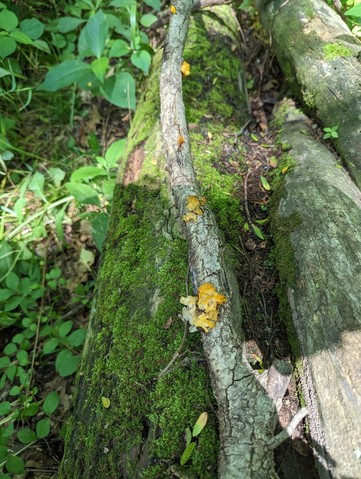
335 50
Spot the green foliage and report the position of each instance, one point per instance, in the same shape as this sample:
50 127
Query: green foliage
330 132
191 437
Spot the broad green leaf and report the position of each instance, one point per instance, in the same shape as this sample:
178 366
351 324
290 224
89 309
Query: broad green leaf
258 232
105 402
115 152
188 436
142 60
32 27
100 67
354 11
153 4
50 345
57 175
4 362
10 348
23 357
36 185
15 465
5 408
21 37
26 436
108 187
5 294
3 73
8 20
120 90
99 230
187 453
77 338
14 391
96 33
6 257
66 363
119 48
51 403
3 456
200 424
11 371
41 45
7 46
147 20
31 410
65 328
12 281
64 74
265 183
43 428
68 24
13 303
84 194
86 173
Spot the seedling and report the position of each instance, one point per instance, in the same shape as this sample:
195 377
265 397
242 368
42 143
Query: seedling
330 132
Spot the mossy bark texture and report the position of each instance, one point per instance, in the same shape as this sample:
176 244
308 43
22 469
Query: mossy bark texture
318 231
321 59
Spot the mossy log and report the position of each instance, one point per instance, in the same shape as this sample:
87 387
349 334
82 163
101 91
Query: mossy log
135 354
317 231
322 61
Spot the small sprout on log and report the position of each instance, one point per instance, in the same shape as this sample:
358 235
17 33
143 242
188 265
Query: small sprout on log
193 208
172 9
202 311
185 69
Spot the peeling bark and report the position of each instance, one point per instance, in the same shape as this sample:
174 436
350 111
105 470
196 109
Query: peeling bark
321 59
318 226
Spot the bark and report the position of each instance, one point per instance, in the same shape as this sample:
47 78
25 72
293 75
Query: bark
318 249
135 331
321 59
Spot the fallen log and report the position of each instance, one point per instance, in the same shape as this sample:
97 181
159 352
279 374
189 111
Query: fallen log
321 60
317 232
142 381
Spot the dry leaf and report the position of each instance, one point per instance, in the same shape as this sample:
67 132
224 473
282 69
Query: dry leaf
172 9
185 69
181 140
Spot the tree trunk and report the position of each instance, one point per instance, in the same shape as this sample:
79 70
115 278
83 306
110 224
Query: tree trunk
318 250
321 59
157 382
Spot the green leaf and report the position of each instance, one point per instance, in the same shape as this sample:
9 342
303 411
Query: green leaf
51 403
99 229
50 345
3 73
57 175
8 20
119 48
15 465
153 4
147 20
21 37
66 363
115 152
7 46
65 328
23 357
188 436
187 453
142 60
4 362
5 294
5 408
43 428
84 194
3 455
64 74
32 27
31 410
86 173
12 281
119 90
265 183
68 24
14 391
354 11
96 33
77 338
200 424
11 371
26 436
10 348
13 303
100 67
36 185
258 232
41 45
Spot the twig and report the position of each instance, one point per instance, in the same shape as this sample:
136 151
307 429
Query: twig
176 354
288 431
246 199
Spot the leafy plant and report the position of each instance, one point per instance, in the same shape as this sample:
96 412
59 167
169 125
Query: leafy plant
191 443
330 132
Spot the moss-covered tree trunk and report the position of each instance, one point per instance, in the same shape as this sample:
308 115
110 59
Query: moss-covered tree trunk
317 231
321 59
141 384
